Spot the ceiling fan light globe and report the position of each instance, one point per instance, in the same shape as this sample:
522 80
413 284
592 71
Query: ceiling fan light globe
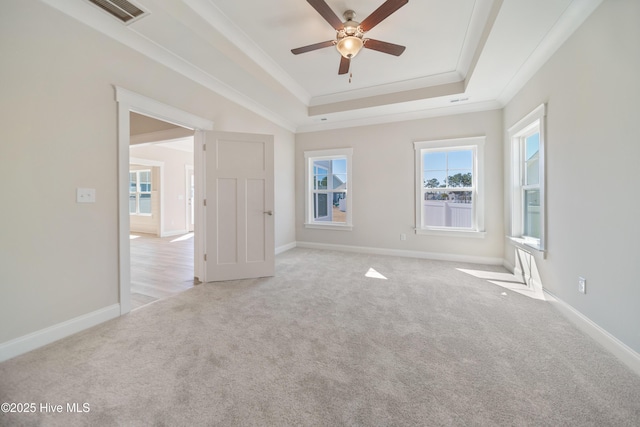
349 46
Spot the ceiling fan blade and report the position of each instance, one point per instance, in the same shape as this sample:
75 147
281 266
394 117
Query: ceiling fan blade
325 11
384 47
311 47
381 13
344 65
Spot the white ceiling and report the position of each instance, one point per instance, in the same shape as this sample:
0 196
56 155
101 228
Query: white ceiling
461 56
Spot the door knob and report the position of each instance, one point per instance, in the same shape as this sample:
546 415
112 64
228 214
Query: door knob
269 212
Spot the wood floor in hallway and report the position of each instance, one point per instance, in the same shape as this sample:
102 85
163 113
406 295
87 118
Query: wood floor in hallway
160 267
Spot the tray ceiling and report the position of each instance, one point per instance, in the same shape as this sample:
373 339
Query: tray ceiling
461 56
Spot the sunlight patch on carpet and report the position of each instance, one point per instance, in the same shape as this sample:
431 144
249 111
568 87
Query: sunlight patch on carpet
373 274
507 281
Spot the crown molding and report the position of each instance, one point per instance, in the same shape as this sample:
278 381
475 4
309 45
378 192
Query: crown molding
235 34
91 16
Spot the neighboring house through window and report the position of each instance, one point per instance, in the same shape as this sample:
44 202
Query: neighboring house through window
527 179
140 192
328 189
449 180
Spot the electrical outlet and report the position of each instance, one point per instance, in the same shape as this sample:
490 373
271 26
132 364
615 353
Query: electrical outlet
582 285
403 236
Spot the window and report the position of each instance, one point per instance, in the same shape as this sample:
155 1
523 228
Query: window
449 196
140 192
527 179
328 189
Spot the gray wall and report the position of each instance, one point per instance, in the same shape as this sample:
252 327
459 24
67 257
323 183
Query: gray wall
384 185
59 259
591 89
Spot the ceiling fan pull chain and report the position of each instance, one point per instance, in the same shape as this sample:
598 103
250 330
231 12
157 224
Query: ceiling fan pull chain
350 77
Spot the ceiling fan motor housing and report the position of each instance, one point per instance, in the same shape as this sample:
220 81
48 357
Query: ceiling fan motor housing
349 38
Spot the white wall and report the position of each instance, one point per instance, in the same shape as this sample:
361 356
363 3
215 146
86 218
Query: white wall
384 185
59 259
591 89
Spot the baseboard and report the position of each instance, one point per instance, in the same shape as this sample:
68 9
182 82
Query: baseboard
53 333
403 253
510 267
619 349
284 248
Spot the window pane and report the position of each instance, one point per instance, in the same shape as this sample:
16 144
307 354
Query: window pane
320 182
339 210
145 203
460 179
532 213
321 207
339 182
132 182
448 209
339 166
145 181
132 203
434 179
532 146
435 160
532 159
460 160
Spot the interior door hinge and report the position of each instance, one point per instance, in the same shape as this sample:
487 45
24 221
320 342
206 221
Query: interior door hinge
205 257
204 147
204 202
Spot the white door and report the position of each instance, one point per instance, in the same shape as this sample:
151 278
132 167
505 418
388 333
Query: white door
239 222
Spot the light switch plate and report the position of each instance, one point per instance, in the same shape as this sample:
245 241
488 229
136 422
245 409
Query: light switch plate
86 195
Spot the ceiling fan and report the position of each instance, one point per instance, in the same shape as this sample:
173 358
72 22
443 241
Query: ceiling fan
350 34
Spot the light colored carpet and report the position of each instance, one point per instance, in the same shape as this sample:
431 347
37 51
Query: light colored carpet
322 344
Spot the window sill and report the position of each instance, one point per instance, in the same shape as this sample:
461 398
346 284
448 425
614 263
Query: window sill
328 226
451 233
526 243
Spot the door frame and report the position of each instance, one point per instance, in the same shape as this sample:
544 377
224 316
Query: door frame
189 170
128 101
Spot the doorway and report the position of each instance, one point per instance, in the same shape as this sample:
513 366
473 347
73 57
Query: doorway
161 235
238 225
129 102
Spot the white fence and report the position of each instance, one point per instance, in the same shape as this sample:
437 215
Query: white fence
439 213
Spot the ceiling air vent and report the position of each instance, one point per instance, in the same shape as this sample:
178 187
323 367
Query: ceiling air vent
125 11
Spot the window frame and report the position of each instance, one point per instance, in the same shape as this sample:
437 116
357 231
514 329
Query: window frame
476 144
310 192
532 123
138 191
